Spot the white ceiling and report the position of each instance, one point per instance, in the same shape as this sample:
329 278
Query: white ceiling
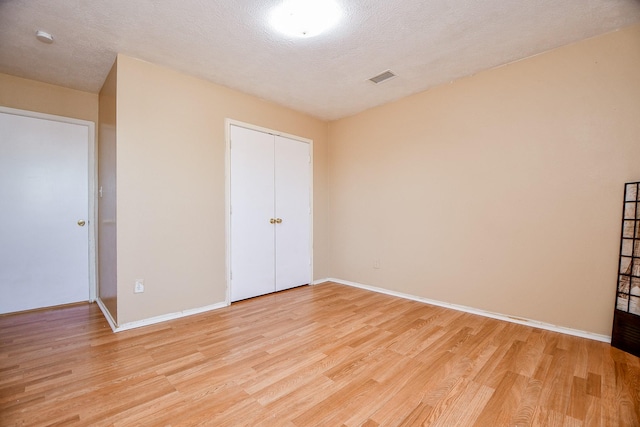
229 42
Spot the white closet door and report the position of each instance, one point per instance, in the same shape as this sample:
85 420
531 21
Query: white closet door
44 251
252 206
292 195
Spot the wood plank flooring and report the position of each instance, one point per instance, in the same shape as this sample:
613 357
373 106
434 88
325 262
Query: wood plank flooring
325 355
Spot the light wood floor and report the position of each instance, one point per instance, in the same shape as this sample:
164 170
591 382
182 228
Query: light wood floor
326 355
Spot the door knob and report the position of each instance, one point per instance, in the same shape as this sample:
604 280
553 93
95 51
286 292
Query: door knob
272 221
81 222
278 220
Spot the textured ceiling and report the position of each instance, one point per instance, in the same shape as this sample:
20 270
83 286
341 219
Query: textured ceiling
229 42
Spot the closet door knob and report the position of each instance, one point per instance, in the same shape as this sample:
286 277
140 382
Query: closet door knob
278 220
272 221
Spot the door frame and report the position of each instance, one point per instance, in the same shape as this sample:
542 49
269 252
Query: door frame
227 178
91 178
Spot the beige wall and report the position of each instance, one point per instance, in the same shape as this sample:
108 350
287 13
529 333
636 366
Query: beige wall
107 250
501 191
171 185
30 95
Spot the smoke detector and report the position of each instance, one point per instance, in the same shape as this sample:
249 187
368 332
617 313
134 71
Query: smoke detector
44 37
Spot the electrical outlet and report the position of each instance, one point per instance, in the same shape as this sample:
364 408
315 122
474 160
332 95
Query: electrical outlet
376 263
139 287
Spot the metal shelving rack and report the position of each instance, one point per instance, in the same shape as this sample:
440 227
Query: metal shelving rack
626 318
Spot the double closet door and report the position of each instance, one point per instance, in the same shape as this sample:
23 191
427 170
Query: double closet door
270 218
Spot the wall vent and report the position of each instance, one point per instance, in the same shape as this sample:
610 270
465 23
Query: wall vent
382 77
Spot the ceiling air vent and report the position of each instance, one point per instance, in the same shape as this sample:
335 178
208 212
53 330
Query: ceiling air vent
382 77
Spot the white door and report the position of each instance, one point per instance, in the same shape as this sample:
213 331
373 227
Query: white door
270 215
293 208
44 252
252 208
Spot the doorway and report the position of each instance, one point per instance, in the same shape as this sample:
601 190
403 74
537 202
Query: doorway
47 220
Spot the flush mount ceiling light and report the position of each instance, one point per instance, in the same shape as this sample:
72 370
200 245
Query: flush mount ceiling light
44 37
305 18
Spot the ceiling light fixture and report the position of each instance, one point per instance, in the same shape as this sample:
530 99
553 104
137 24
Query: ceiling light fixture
44 37
305 18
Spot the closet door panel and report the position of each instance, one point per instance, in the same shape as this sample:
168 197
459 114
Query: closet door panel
292 204
252 206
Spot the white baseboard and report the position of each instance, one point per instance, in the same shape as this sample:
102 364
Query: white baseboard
499 316
107 314
157 319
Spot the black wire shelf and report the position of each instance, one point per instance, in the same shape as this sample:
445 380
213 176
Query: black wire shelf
626 318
